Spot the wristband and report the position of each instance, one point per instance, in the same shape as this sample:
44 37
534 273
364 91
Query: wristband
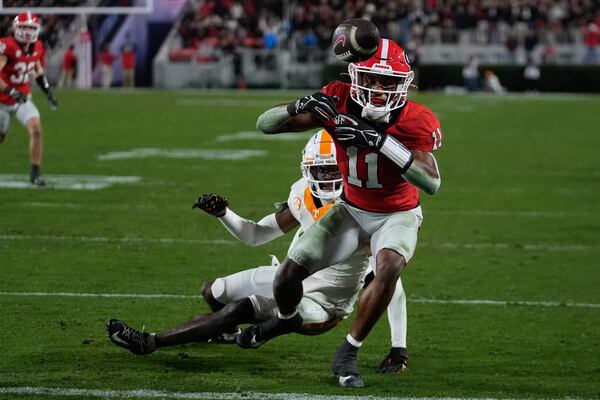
396 152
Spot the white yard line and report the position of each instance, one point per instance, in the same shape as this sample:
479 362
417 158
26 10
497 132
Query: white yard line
203 154
481 302
483 213
163 394
550 247
105 239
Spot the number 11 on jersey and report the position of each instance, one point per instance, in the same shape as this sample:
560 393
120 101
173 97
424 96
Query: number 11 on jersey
371 160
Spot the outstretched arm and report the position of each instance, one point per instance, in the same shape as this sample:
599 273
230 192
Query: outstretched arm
256 233
252 233
308 112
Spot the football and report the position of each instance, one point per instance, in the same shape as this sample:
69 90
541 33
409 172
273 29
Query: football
355 40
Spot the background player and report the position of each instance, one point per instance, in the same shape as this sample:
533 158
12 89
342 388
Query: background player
20 56
384 144
247 296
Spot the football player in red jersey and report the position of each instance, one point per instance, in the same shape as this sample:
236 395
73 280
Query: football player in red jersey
384 150
20 56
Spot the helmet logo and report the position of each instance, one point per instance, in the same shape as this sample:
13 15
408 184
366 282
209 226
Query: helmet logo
341 40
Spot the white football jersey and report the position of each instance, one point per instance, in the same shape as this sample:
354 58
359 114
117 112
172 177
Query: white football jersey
337 286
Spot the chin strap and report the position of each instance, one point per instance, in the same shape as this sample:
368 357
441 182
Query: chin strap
376 114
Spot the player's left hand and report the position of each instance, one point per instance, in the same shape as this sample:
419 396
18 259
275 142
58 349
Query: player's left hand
212 203
52 100
319 105
395 362
351 131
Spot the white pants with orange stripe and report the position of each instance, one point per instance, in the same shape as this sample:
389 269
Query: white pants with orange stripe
257 284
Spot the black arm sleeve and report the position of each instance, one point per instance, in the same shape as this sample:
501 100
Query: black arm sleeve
43 82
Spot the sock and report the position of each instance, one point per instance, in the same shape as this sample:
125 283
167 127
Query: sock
287 316
396 313
35 171
353 341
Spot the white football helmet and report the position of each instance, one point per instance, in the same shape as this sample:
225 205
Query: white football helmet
380 84
26 27
319 167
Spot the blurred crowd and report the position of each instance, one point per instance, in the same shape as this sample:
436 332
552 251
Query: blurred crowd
224 25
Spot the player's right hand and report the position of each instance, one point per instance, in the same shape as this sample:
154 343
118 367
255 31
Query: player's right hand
17 95
212 203
52 100
317 104
351 131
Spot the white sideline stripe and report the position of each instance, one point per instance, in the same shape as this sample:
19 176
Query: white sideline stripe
163 394
204 154
482 302
447 245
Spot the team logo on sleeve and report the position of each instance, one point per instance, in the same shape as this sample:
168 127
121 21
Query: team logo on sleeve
297 203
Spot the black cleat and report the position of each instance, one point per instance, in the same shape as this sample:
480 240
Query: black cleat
38 181
140 343
257 335
395 362
344 366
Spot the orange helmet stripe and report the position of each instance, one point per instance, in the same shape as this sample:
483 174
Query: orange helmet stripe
326 143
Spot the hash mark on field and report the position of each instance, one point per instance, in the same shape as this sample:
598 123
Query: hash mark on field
66 182
163 394
569 248
478 302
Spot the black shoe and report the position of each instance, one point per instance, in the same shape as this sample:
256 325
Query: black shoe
226 338
37 181
257 335
395 362
344 366
140 343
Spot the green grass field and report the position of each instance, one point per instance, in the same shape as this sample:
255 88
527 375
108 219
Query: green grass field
517 219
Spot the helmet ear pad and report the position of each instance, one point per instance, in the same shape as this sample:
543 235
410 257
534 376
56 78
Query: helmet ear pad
319 167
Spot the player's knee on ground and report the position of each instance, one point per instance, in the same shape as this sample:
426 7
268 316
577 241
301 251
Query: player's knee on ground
389 266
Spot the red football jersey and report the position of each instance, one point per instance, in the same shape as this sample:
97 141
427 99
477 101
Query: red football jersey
18 65
371 181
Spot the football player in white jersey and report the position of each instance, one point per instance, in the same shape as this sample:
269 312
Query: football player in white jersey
247 296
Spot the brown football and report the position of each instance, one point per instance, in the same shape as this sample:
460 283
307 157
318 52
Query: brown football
355 40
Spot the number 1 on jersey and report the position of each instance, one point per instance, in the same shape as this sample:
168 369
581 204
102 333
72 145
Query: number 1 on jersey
370 160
